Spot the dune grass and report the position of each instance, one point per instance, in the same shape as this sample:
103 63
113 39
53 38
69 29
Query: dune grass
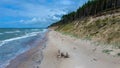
100 29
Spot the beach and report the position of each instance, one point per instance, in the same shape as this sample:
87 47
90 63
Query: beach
31 57
81 54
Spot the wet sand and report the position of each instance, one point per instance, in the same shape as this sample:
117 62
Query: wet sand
30 58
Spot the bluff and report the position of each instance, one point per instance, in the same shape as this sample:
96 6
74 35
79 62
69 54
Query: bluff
97 20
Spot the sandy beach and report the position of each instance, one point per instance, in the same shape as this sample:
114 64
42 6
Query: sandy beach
82 54
30 58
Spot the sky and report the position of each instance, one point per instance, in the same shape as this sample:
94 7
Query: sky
35 13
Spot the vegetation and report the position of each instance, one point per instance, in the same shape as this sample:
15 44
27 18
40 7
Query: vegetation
97 20
118 54
91 8
107 51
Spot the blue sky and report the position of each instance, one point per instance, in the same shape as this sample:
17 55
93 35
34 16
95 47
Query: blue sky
34 13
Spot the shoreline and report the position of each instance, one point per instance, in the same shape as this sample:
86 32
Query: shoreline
82 54
23 57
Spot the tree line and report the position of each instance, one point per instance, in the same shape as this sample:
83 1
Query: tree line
90 8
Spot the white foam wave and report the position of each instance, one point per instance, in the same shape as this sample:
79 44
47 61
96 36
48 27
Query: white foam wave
17 38
1 43
1 33
12 31
25 36
44 30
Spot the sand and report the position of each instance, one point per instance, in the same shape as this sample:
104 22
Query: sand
31 58
82 54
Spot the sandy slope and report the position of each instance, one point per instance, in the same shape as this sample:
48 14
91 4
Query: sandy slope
82 54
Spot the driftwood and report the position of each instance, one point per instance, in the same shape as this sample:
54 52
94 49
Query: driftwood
66 56
59 55
62 55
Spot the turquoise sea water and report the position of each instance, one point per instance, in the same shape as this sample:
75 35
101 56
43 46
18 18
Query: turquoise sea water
16 41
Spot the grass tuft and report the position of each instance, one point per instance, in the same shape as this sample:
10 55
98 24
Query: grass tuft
107 51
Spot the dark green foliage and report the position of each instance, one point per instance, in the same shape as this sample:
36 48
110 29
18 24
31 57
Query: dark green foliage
91 8
107 51
118 54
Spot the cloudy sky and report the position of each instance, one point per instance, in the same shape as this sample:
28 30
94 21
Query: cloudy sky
34 13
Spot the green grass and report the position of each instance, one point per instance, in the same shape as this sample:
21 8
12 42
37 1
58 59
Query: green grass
118 54
107 51
106 29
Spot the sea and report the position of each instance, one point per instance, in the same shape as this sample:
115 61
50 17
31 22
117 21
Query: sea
14 42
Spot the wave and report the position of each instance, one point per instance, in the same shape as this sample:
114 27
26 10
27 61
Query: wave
17 38
17 31
10 48
1 43
44 30
1 33
24 36
21 37
12 31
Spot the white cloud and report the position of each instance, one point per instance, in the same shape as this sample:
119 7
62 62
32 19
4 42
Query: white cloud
55 18
51 16
36 20
34 12
31 21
